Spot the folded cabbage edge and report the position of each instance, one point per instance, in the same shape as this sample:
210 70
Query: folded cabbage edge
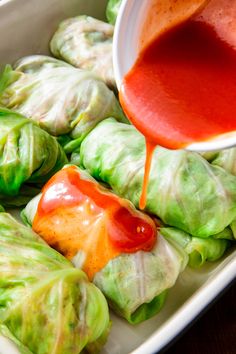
233 228
145 311
225 158
148 310
7 77
11 341
199 250
41 290
112 10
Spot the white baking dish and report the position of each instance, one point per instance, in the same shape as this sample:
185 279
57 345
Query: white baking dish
25 28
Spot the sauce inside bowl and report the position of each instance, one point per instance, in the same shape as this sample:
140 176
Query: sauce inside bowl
182 89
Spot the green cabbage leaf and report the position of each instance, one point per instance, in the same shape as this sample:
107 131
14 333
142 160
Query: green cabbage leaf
65 101
46 305
184 190
28 156
199 250
113 7
86 43
225 158
8 342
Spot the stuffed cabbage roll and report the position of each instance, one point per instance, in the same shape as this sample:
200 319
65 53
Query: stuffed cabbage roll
199 250
113 7
116 245
86 43
46 304
184 190
28 154
61 98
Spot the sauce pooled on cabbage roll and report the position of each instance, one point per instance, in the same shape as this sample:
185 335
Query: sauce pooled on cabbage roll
77 214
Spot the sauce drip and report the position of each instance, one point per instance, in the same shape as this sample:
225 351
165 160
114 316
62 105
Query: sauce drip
76 214
149 153
182 89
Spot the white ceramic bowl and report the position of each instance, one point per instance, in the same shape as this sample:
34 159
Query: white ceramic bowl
126 50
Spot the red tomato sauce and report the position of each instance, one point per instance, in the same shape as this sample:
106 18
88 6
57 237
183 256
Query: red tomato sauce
148 164
76 214
182 89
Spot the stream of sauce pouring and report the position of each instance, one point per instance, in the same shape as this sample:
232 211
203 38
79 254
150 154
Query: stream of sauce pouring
182 89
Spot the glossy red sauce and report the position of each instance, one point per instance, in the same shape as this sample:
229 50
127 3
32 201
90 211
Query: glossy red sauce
148 164
78 214
182 89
